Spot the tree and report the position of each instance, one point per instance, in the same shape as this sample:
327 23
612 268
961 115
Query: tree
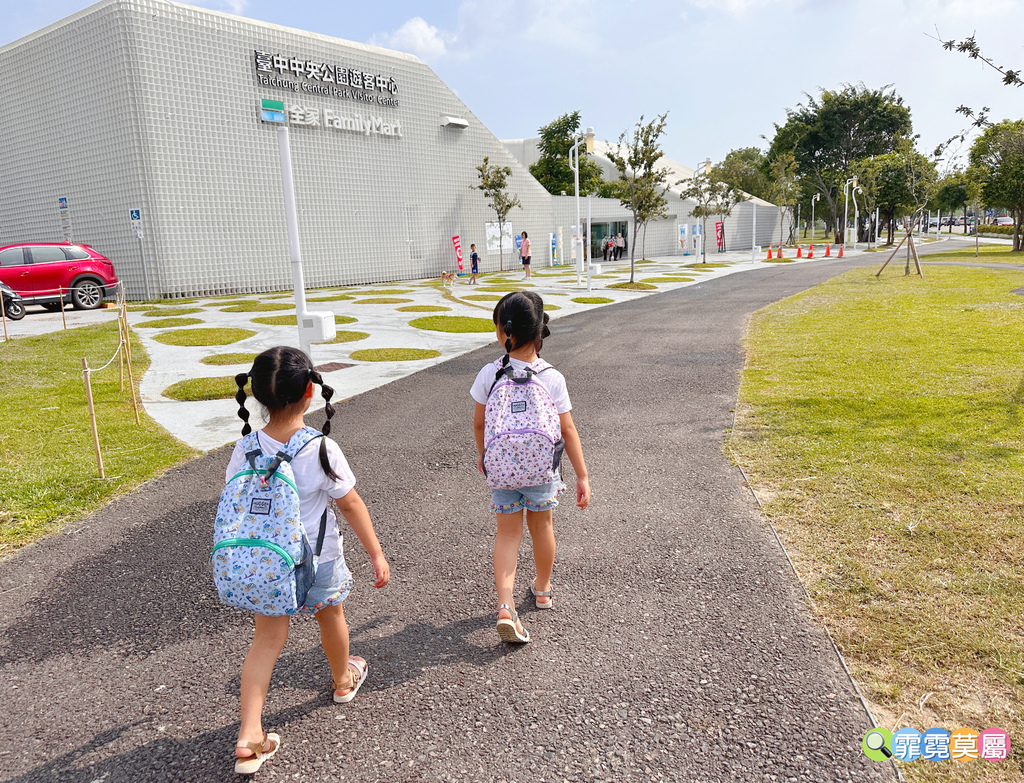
997 156
494 184
900 183
951 194
641 185
713 197
745 169
552 170
829 133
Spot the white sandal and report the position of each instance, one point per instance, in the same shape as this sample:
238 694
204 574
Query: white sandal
508 629
360 668
542 594
250 765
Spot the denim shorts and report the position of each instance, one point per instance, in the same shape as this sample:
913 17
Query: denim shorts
542 497
331 586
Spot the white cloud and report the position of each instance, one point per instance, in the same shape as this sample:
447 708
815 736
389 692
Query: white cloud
236 7
418 38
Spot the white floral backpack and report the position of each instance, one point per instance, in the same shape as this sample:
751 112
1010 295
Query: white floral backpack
262 560
523 442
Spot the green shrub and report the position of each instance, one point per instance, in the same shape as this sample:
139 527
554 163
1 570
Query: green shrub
195 337
393 354
453 324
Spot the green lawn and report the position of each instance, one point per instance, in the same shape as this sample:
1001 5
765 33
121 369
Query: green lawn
881 421
47 464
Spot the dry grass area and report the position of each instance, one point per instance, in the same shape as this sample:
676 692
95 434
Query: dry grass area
881 422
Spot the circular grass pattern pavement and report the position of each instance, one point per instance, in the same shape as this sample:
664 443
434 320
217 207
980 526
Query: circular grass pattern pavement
256 307
393 354
277 320
482 297
591 300
699 265
196 337
335 298
777 260
346 337
167 312
221 387
634 286
453 324
388 291
382 300
667 280
229 358
506 288
167 323
423 309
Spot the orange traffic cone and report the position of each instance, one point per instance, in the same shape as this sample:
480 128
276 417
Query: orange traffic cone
770 256
828 249
840 252
810 251
799 251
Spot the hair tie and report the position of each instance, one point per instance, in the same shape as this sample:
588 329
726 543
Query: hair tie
508 327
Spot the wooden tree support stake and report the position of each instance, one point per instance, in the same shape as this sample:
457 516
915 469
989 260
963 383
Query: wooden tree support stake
86 376
63 317
3 317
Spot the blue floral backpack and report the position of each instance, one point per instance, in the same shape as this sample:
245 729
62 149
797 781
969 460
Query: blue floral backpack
262 560
523 441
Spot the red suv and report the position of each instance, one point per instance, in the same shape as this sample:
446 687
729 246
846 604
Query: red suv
53 274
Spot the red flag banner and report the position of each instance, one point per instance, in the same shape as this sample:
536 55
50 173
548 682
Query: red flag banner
719 231
458 251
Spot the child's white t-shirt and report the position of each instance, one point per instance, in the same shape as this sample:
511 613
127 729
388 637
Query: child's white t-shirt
315 489
551 379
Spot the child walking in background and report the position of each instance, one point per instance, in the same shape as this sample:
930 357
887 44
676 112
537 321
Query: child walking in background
474 261
520 468
282 381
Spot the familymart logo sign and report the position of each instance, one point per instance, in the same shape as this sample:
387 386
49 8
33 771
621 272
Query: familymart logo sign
279 113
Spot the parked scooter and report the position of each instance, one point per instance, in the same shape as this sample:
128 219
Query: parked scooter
14 308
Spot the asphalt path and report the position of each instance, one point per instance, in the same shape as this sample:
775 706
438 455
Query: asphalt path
680 647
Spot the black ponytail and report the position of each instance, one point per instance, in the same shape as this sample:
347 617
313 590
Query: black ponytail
280 377
242 379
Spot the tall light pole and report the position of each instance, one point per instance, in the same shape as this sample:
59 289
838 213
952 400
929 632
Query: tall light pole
846 208
574 164
856 213
814 198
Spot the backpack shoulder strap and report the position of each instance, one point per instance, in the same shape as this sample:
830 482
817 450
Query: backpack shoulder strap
295 444
251 449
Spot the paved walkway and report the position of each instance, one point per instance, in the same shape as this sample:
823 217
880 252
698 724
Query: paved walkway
680 648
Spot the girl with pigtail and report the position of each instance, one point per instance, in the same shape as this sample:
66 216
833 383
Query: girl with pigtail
521 326
282 380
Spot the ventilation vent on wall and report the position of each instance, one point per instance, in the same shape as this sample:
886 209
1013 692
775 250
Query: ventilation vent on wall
454 122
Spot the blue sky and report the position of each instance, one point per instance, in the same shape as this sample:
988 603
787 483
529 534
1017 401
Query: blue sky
725 70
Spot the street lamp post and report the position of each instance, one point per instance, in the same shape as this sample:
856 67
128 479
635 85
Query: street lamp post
814 198
574 164
846 208
856 213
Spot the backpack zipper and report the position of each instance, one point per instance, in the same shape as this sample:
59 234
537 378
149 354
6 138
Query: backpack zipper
255 542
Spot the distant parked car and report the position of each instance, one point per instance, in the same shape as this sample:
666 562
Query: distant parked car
52 274
1004 221
14 308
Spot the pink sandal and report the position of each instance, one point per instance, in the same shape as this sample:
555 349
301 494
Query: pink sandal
250 765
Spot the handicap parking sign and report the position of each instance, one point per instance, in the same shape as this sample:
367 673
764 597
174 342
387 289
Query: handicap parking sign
136 214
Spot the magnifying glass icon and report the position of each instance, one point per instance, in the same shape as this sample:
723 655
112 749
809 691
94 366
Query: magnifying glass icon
875 740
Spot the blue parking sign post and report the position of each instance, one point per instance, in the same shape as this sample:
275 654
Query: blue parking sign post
136 219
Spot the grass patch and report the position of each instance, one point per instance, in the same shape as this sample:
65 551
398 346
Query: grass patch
256 307
778 260
881 421
229 358
335 298
423 309
453 324
167 312
591 300
222 387
634 286
987 254
194 337
709 265
667 279
482 297
382 300
605 277
346 337
167 323
48 470
389 291
277 320
550 308
394 354
498 289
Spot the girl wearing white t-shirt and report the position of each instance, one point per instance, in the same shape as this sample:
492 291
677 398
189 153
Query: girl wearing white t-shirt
282 381
521 326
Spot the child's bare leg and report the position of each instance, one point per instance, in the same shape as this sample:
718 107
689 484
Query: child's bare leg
506 554
267 643
542 531
334 639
